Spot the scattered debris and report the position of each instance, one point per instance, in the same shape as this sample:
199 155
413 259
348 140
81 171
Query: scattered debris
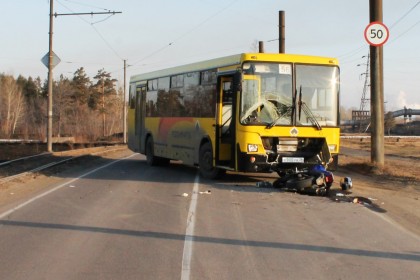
264 184
206 192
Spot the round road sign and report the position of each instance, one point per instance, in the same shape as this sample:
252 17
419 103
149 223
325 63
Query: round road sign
376 34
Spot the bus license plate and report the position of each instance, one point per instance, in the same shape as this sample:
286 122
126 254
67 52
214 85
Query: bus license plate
293 160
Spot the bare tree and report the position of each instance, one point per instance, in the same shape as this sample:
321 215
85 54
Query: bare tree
12 101
115 107
76 105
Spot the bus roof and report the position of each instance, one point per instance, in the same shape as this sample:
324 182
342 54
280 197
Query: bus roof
233 60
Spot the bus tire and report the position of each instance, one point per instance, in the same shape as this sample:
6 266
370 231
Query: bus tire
151 159
205 161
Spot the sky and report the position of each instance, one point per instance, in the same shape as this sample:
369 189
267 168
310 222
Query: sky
155 34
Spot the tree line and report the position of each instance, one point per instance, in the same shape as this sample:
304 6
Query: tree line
84 108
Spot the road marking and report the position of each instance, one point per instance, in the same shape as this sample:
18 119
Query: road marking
189 233
7 213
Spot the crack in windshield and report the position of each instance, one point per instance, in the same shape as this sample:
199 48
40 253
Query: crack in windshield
270 98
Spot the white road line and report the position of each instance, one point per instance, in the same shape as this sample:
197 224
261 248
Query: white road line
189 233
7 213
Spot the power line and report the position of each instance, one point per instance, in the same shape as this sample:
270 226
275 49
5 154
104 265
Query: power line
354 52
86 5
402 34
92 24
406 14
186 33
106 42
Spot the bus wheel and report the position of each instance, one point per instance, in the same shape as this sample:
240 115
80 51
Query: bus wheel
151 159
206 168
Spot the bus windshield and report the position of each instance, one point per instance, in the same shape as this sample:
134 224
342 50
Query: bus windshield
270 98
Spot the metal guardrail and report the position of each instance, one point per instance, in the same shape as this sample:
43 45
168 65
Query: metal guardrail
19 141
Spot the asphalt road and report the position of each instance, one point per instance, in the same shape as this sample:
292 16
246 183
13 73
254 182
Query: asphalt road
125 220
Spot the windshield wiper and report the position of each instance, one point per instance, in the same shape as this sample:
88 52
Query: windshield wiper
302 106
300 101
292 115
273 123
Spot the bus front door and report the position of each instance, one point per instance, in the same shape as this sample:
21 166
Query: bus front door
224 133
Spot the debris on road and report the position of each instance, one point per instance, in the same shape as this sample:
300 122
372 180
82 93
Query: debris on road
206 192
264 184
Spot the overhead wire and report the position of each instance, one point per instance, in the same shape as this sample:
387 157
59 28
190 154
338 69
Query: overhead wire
406 14
185 33
354 52
86 5
93 26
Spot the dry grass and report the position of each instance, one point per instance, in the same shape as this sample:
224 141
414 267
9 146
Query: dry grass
401 159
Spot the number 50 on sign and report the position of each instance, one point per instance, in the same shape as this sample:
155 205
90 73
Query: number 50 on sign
376 34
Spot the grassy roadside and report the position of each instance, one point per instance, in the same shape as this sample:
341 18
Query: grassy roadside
402 158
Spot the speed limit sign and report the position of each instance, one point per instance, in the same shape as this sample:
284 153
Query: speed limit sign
376 34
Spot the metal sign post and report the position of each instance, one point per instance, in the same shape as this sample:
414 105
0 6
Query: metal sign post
51 60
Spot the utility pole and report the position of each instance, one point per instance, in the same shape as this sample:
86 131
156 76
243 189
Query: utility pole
51 66
366 85
103 109
125 104
50 80
282 35
261 47
377 91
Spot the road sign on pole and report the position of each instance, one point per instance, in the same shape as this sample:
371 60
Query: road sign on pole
46 59
376 34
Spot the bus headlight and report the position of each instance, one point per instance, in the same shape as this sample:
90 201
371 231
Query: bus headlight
252 148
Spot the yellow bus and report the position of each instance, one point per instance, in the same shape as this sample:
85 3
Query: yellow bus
251 112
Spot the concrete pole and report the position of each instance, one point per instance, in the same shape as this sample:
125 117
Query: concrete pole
282 34
261 47
125 104
376 92
50 80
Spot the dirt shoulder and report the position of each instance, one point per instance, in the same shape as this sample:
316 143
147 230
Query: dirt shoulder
22 188
395 188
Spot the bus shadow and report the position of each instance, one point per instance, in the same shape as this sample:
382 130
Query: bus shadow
401 256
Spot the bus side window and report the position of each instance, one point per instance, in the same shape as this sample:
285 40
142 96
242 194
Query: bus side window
132 96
